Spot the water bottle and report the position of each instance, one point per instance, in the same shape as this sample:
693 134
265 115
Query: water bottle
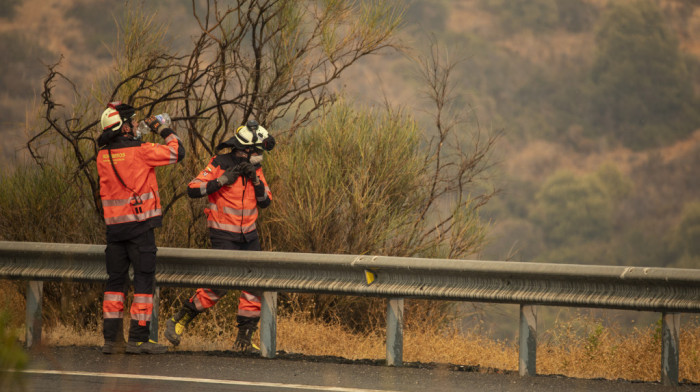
164 118
143 129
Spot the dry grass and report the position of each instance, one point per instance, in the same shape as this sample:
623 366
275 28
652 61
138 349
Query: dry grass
606 353
297 335
578 345
579 348
460 349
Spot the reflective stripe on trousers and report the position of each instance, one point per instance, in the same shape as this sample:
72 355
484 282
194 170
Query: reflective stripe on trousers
249 304
113 305
204 299
142 308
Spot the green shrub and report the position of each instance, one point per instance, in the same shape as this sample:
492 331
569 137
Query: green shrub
349 184
571 209
642 93
616 185
46 205
354 183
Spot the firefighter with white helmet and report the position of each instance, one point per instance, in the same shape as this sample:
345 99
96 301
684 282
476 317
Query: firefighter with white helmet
235 185
132 209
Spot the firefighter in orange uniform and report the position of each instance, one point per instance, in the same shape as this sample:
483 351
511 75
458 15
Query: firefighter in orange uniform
236 187
129 193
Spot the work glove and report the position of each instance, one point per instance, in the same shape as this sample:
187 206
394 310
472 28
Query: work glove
248 170
229 176
153 123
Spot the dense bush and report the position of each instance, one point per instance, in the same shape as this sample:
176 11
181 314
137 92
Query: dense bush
350 184
46 205
642 89
572 210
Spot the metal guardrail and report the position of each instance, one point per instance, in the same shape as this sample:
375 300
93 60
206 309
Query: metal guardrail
665 290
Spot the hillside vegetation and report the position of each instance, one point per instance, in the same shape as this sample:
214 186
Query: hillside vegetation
596 101
583 86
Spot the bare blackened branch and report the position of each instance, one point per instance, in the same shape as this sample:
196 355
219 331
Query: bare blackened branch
455 175
271 60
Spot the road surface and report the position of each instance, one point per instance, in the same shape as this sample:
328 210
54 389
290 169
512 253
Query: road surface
86 369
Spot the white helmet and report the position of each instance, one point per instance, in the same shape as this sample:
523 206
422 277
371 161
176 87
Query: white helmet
250 135
116 114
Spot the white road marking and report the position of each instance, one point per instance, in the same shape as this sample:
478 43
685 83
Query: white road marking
201 380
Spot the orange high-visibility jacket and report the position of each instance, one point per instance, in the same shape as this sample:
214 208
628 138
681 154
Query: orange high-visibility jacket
135 204
232 208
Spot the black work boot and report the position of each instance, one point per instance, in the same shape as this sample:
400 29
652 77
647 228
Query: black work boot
149 347
175 326
114 347
246 328
117 345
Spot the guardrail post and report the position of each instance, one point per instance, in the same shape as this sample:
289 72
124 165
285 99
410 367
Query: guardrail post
528 340
394 332
154 315
670 341
268 325
35 291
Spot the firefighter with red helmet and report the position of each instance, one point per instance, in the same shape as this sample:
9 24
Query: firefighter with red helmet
132 209
236 188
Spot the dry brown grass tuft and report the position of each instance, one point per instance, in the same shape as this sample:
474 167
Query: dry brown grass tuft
458 348
583 348
62 335
298 335
12 301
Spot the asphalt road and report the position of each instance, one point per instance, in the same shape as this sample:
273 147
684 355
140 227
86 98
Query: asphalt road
86 369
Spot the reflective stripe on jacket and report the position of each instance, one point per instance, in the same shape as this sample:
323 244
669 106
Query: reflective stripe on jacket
232 208
135 162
